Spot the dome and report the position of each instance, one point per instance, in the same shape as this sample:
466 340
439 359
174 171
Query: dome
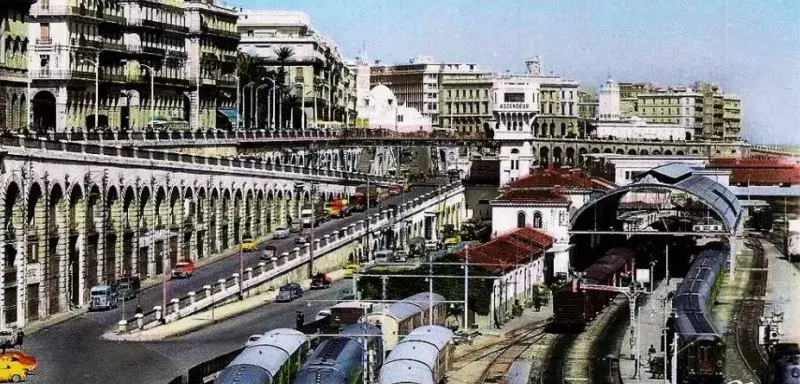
381 93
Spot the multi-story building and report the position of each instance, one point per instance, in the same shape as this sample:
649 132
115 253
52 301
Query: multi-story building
14 46
703 107
465 101
587 105
515 106
126 40
558 103
315 66
418 83
212 54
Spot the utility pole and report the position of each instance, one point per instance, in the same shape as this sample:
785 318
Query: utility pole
466 288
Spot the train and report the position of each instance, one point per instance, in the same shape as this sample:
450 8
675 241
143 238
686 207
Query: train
344 359
701 349
402 317
784 365
275 358
573 306
423 357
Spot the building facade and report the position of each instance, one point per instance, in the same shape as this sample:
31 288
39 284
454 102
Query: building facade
465 102
98 57
382 111
315 67
14 48
515 106
558 103
418 84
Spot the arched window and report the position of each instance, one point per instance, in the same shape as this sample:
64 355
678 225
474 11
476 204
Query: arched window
521 219
537 219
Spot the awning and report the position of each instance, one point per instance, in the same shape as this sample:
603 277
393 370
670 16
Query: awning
231 113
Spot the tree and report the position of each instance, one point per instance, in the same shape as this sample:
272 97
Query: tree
251 68
282 54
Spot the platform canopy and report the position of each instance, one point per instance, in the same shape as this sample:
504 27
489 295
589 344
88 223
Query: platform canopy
672 190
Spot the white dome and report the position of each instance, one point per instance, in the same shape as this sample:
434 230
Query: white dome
381 93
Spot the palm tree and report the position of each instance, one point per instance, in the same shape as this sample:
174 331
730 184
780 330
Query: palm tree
283 54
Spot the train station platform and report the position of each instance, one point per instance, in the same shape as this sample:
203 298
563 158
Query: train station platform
652 317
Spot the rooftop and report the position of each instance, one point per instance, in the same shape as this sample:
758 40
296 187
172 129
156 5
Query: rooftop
563 178
517 247
533 196
769 170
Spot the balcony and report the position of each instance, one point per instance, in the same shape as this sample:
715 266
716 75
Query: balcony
44 41
47 11
113 19
176 53
61 75
154 50
114 78
85 43
220 32
113 46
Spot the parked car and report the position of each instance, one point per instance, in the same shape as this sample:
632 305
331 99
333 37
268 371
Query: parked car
252 339
281 233
268 253
27 361
432 245
248 245
401 256
348 270
13 371
183 268
320 281
128 287
8 338
103 296
303 238
289 292
296 227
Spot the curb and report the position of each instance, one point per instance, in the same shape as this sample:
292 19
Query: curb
51 322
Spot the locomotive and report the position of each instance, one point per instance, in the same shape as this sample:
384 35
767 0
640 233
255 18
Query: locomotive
784 365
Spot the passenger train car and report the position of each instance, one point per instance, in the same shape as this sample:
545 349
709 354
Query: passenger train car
423 357
275 358
401 317
784 365
343 359
701 349
575 306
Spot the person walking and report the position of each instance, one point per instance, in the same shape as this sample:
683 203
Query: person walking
20 338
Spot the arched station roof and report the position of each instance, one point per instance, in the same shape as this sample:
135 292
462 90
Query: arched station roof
673 176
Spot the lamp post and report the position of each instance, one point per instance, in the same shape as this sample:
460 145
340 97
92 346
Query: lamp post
96 63
273 102
238 102
244 103
258 107
152 91
302 105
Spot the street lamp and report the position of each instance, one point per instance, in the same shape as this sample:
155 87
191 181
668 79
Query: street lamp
258 107
273 101
96 63
303 104
244 104
152 91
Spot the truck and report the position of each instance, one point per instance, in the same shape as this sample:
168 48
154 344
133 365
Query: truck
338 208
320 281
373 193
313 216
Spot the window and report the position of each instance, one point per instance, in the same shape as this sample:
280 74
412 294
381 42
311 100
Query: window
521 219
514 97
537 219
399 118
44 30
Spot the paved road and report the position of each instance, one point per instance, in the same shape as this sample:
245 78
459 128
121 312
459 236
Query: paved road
73 352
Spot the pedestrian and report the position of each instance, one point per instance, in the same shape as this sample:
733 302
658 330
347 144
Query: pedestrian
650 352
138 309
20 337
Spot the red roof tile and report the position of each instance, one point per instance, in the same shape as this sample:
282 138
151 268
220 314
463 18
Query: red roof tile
765 176
566 178
533 195
751 162
504 252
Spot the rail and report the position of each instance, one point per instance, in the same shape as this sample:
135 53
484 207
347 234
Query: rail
227 290
181 160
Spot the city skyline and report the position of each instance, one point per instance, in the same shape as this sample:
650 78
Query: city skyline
744 48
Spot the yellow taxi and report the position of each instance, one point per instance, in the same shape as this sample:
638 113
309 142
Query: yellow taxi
348 270
248 245
13 371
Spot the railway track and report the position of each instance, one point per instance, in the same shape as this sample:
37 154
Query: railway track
750 310
506 356
557 359
604 363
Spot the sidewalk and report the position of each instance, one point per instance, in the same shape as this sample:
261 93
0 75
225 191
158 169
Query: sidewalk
651 320
783 293
209 317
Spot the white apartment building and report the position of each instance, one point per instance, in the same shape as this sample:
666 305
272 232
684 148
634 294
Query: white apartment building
515 105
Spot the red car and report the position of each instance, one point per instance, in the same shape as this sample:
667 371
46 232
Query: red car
183 268
27 361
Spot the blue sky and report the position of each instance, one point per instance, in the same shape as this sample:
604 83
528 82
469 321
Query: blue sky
749 48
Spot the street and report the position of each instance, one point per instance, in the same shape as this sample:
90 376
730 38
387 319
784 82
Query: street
71 351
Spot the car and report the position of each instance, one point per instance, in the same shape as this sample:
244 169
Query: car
28 361
401 256
384 256
296 227
453 239
248 245
252 339
323 313
127 288
281 233
302 238
268 253
320 281
9 338
183 268
289 292
349 269
13 371
432 245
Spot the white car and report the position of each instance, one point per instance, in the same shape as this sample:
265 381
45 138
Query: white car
432 245
281 233
252 339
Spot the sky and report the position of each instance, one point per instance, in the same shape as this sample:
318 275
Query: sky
749 48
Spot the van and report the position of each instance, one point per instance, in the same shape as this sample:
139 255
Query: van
103 296
12 371
289 292
384 256
127 287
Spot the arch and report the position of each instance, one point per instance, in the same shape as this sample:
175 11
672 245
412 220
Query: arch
620 151
631 151
688 136
595 150
521 219
536 128
679 152
571 156
563 129
544 156
552 129
656 152
514 151
557 160
537 219
668 152
44 110
128 199
643 152
607 150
